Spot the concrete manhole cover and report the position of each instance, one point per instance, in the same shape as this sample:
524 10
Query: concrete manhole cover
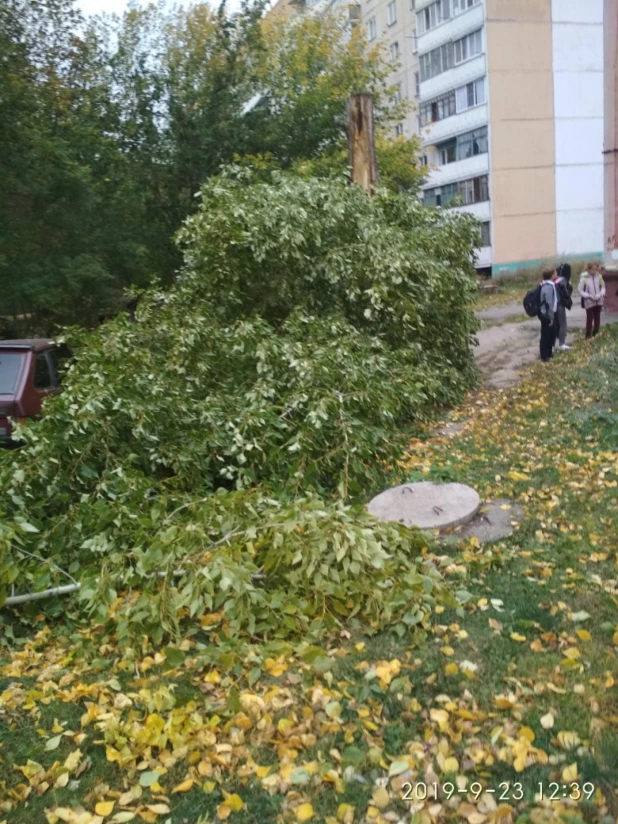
426 505
494 520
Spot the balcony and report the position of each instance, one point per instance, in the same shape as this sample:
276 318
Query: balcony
453 78
483 257
452 29
481 211
454 125
459 170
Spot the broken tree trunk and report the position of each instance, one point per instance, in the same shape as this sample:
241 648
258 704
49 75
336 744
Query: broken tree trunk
361 141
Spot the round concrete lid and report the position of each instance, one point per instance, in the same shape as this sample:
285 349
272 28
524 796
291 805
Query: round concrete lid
426 505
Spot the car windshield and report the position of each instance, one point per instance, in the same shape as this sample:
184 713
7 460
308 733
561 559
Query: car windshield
10 366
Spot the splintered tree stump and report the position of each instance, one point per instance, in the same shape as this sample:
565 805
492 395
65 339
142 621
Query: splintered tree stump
361 141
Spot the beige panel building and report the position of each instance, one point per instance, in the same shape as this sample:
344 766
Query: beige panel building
516 104
518 116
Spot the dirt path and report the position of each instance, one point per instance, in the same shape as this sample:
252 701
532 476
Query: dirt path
504 347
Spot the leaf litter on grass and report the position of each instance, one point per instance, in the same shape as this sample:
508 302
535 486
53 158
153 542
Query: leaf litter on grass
515 690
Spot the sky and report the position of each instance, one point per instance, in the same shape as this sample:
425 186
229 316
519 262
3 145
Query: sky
118 6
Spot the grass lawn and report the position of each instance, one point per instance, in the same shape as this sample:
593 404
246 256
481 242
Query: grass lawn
503 711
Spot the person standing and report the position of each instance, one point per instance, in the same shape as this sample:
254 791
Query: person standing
564 291
592 292
548 303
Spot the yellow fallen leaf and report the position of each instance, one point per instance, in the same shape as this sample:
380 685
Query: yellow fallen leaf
212 677
441 716
360 646
304 812
528 733
381 798
275 668
516 476
235 802
451 668
568 740
517 637
615 639
183 787
345 813
569 773
572 653
158 809
61 781
451 765
536 646
73 760
583 634
547 721
104 808
31 768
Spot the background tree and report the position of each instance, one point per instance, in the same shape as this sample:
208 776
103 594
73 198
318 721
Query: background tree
109 128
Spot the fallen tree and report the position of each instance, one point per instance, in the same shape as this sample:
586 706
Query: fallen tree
204 460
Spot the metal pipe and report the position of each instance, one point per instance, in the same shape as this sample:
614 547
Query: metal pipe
13 600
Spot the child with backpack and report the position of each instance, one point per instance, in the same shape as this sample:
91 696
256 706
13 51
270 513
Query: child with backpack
564 290
592 292
548 304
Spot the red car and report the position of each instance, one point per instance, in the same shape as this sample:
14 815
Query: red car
29 371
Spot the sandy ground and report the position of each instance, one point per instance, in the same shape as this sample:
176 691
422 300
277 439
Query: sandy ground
504 348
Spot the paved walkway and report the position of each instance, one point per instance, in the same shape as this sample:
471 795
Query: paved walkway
504 349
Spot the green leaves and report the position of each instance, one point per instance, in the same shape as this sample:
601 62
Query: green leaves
199 465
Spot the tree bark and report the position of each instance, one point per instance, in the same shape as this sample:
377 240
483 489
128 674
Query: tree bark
361 141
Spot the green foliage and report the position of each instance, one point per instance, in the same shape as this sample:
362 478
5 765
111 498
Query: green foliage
397 160
110 126
302 338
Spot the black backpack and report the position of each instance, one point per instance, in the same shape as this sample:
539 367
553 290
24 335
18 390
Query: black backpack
532 301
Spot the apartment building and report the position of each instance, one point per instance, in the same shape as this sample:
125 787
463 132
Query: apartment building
512 115
516 104
393 23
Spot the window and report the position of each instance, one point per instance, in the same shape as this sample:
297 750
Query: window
399 130
424 160
414 41
440 195
459 6
485 234
436 61
430 17
468 47
417 84
60 356
10 367
391 12
472 94
42 374
372 29
472 143
465 97
437 109
394 51
474 190
447 152
397 94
